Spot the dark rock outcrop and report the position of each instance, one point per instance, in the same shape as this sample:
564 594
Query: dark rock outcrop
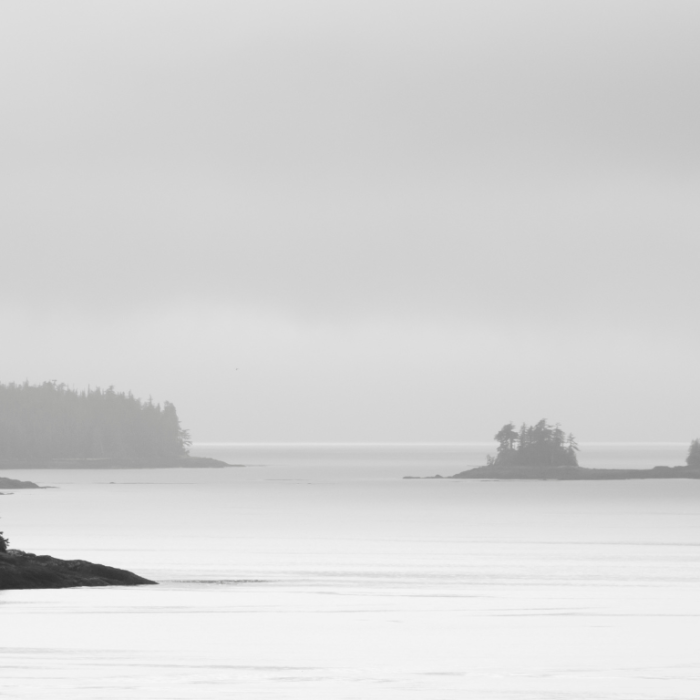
21 570
6 483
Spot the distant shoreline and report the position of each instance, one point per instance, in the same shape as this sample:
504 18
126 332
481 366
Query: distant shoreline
113 463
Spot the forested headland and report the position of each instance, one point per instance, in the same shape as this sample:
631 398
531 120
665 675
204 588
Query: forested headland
51 421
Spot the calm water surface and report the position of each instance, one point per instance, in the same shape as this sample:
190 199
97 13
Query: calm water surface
317 572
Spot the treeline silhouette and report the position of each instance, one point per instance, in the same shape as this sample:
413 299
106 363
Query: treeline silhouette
539 445
52 421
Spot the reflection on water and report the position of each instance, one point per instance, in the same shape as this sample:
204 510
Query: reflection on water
324 575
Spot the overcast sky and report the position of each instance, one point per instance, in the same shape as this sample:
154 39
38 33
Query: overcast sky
357 220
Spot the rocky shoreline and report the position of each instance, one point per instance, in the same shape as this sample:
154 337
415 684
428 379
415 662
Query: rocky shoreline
22 570
570 473
6 483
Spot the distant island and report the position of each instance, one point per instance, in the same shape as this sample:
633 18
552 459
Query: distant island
544 451
49 426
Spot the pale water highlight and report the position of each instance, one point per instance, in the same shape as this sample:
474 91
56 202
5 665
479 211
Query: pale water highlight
320 573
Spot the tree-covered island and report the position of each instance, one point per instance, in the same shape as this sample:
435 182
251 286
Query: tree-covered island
544 451
536 445
52 425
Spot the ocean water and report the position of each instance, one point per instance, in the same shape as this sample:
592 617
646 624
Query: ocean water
316 572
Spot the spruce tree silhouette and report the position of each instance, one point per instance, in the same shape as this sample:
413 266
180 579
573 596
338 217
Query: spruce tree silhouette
539 445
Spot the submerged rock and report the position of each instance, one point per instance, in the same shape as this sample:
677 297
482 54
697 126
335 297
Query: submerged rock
21 570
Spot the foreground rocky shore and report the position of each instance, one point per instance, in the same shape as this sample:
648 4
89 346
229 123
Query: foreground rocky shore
571 473
21 570
6 483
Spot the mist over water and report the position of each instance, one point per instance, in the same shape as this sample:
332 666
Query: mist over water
321 573
393 224
378 460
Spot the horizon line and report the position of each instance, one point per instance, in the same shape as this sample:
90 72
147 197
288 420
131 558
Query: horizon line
413 444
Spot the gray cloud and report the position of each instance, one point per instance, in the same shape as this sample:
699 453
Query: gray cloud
477 173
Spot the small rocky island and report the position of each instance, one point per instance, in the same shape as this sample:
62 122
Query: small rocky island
544 451
21 570
51 426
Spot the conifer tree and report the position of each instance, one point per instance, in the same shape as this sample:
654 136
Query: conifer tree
693 458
